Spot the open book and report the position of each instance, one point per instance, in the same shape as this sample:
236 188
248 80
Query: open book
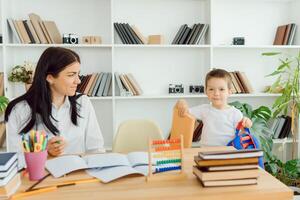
106 167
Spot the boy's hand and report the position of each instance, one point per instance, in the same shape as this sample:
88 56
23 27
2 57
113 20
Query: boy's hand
182 107
246 122
56 146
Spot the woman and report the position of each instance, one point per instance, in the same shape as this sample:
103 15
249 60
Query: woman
52 104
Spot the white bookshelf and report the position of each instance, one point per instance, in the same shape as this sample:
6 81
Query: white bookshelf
155 66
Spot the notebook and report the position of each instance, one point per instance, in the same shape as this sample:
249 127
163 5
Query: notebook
6 160
231 154
106 167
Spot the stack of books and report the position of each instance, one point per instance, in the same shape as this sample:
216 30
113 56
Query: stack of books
193 35
285 34
9 177
129 34
227 168
127 85
34 30
96 84
240 82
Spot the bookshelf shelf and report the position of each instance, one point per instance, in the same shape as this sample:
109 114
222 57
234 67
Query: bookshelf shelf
188 96
256 47
59 45
100 98
159 46
156 66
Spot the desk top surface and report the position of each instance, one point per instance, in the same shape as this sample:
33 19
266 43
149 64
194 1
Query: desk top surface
135 187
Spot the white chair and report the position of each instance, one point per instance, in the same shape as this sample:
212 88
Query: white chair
133 135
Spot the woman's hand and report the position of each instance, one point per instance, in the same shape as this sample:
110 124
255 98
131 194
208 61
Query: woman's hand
182 107
56 146
246 122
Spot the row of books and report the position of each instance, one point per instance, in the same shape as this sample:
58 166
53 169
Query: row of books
281 127
285 34
240 82
187 35
228 167
127 85
35 30
96 84
10 179
129 34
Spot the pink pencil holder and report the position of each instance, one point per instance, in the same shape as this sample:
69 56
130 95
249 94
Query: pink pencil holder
35 162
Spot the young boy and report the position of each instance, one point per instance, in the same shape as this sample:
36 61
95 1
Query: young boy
219 119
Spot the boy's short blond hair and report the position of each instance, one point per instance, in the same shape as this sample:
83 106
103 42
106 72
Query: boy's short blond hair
218 73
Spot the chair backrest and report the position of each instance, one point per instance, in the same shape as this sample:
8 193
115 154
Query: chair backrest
133 135
183 126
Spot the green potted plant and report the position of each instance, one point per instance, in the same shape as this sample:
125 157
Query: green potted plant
22 73
287 73
289 172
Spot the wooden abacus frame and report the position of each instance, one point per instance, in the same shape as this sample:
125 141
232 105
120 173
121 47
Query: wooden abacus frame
173 146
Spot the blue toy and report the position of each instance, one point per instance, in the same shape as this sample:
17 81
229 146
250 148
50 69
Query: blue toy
245 140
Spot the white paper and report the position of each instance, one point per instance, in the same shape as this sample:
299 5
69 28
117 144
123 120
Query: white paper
109 174
106 160
65 164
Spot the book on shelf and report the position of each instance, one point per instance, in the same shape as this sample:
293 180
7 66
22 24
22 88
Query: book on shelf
281 127
127 85
32 31
285 34
231 154
106 167
35 30
13 29
240 83
28 32
193 35
120 87
128 34
23 33
35 20
139 35
53 32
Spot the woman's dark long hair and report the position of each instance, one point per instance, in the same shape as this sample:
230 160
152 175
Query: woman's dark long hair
52 61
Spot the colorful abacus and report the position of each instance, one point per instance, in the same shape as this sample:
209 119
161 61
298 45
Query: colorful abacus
168 156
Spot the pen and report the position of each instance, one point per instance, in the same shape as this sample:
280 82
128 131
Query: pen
38 191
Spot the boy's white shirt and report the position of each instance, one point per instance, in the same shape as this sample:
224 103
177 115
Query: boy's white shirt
218 125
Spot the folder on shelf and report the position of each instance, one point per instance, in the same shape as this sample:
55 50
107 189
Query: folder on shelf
94 80
139 34
279 37
183 126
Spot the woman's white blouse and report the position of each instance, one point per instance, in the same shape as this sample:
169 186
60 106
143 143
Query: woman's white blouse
84 137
